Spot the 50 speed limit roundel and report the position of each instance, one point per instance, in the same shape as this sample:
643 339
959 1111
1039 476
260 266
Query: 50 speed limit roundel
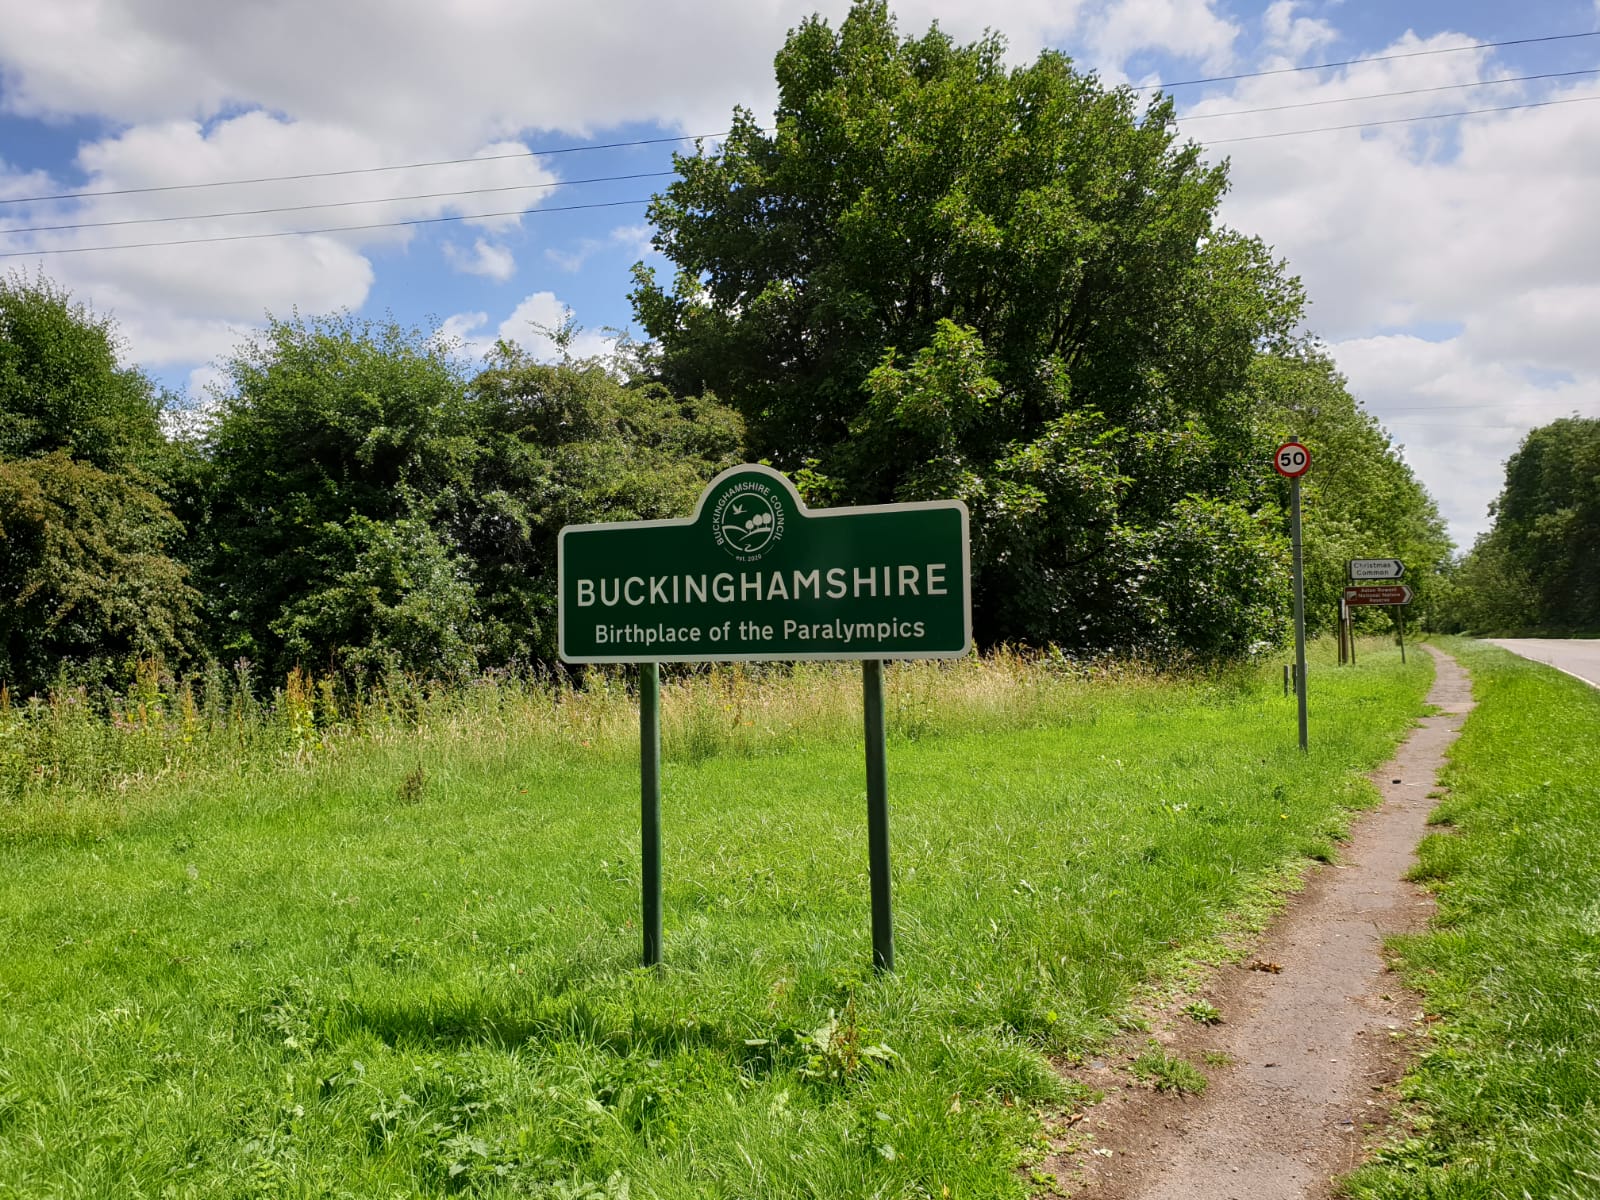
1291 460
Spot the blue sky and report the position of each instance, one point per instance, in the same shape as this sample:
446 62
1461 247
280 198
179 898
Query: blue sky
1453 264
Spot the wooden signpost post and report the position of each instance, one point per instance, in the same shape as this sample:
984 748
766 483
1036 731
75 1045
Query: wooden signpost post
1292 460
1396 595
755 575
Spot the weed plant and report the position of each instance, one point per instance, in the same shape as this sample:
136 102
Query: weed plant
1506 1100
309 948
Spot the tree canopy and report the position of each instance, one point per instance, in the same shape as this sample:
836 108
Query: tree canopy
373 503
567 443
942 276
910 182
87 575
62 389
1538 566
337 449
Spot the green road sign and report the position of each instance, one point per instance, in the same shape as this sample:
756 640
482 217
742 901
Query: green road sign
755 574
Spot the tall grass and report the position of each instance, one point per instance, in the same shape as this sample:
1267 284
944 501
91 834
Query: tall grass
76 763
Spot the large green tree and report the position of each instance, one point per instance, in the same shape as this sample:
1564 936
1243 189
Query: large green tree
336 457
62 387
564 443
87 573
86 579
1539 564
940 275
374 503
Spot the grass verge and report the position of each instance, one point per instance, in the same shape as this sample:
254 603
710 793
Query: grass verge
1506 1102
405 966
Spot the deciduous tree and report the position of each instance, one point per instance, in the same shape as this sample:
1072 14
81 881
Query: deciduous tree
336 458
1539 565
566 443
941 275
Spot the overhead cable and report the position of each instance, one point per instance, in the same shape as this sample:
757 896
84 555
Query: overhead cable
440 162
690 137
277 233
1465 112
1445 87
257 212
1351 62
242 237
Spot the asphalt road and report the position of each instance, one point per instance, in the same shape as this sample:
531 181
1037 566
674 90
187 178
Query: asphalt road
1575 656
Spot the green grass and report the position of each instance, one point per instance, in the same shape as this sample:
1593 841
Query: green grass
402 962
1506 1101
1167 1072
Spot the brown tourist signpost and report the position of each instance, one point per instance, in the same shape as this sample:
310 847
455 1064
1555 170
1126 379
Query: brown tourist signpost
1395 594
1389 594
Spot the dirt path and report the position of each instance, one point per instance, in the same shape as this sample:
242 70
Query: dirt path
1312 1048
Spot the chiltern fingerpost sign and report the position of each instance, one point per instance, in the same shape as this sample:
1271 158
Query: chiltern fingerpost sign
755 574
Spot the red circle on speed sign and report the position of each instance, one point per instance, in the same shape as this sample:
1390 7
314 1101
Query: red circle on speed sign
1291 460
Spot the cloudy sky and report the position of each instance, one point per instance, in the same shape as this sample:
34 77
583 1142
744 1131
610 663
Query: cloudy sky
1453 262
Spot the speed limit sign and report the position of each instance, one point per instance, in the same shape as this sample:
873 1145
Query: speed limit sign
1291 460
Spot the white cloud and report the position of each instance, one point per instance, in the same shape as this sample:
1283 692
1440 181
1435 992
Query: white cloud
205 384
1188 29
1293 36
1479 228
530 321
176 301
485 258
1458 413
460 330
530 326
634 239
453 74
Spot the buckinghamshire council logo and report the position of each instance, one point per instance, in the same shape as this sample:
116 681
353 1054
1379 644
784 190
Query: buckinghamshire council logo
748 519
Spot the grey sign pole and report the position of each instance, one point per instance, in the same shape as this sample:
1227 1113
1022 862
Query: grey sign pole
1299 605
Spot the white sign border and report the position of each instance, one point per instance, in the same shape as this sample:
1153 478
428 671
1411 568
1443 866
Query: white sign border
1350 571
804 513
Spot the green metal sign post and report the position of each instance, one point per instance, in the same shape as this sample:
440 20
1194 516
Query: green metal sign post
755 575
650 808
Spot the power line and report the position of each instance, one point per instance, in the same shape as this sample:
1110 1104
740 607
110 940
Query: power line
254 212
441 162
252 237
1466 112
1512 422
622 203
257 212
1447 87
1350 62
689 137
